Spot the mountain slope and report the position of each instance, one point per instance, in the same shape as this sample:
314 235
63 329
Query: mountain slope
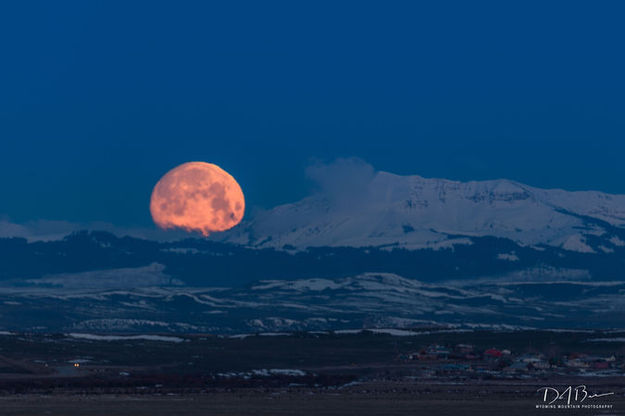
415 212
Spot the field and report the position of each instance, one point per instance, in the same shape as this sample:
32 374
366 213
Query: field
362 373
392 399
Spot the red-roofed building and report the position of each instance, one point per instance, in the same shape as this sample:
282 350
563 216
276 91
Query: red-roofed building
493 353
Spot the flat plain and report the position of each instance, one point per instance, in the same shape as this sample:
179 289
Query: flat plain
359 373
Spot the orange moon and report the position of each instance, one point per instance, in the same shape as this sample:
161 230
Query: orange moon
197 196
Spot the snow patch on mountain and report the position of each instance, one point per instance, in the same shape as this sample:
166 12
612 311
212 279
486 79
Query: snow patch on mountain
508 256
308 284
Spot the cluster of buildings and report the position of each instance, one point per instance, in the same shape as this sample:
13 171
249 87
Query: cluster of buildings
446 360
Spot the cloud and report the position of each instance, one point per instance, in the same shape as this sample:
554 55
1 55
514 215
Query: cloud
343 179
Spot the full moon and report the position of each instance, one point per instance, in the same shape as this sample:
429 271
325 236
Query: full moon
197 196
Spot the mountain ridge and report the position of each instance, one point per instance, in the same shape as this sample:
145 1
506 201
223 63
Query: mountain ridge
417 212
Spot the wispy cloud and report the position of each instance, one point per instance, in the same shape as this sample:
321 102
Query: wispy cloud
343 180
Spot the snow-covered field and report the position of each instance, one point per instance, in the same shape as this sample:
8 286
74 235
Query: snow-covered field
94 337
384 302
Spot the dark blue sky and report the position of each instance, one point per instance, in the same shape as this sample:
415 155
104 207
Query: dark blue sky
99 99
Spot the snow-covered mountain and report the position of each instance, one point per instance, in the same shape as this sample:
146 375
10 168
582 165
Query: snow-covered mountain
417 212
